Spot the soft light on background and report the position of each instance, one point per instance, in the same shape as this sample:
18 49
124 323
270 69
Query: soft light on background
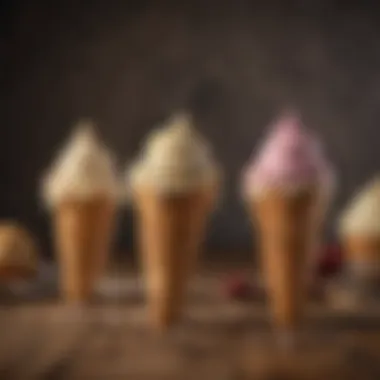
130 64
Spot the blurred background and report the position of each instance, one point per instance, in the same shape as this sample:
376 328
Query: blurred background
234 64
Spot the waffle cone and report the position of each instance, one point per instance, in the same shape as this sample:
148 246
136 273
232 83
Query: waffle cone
287 228
170 233
363 256
362 249
82 236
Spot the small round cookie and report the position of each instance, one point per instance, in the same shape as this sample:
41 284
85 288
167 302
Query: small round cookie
18 252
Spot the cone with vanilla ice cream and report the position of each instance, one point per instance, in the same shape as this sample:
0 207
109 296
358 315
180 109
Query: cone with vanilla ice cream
359 231
287 188
174 186
81 190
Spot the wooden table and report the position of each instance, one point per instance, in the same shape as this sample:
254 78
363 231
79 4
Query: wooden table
218 339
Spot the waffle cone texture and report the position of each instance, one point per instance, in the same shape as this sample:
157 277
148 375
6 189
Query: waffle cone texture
83 231
170 232
287 227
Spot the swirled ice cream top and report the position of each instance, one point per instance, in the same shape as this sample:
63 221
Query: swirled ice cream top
290 160
83 169
362 216
175 158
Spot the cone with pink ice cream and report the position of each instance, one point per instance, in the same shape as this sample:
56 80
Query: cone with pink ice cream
174 187
287 188
81 190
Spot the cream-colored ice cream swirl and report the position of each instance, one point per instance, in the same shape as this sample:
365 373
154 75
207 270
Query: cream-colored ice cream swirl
175 159
83 169
362 216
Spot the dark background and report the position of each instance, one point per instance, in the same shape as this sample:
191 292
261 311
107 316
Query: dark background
130 64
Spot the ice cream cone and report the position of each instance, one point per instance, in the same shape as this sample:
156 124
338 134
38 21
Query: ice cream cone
170 232
83 232
173 184
287 226
359 232
288 184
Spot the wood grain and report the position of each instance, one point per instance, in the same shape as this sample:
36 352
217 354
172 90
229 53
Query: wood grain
217 339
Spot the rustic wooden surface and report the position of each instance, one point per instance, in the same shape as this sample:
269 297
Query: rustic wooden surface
218 339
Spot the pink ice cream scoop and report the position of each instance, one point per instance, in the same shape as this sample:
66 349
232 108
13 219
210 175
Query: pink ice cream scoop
290 159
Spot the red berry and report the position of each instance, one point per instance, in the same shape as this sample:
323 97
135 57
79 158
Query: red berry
330 262
237 287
